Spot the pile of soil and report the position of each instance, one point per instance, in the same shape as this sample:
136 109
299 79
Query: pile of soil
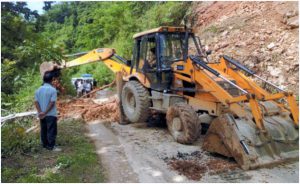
195 165
88 110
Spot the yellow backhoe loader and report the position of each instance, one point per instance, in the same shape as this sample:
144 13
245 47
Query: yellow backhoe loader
244 120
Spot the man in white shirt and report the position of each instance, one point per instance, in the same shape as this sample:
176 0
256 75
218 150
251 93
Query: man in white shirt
80 88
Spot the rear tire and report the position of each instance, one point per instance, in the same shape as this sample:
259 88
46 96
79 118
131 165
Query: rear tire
183 123
135 102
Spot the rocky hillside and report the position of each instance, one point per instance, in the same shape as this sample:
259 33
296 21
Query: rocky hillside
262 35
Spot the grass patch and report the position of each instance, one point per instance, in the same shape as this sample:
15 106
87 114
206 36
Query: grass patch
23 159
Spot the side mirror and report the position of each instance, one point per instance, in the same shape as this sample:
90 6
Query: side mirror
208 52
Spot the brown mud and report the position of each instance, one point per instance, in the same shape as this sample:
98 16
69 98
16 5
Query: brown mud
89 110
192 165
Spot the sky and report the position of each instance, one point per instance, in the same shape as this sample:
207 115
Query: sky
36 5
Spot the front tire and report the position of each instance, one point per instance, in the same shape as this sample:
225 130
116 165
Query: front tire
135 102
183 123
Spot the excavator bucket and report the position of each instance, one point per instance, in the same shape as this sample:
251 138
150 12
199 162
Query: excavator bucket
251 148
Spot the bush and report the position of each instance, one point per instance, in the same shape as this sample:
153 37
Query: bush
22 99
14 139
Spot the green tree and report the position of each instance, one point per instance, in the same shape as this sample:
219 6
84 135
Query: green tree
23 48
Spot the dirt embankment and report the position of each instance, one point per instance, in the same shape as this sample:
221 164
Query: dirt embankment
262 35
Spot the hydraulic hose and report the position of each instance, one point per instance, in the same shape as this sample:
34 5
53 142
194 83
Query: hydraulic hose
247 70
198 61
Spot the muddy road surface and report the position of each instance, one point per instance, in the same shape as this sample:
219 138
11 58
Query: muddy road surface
143 153
146 152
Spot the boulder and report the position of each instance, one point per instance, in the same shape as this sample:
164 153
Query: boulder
293 22
291 13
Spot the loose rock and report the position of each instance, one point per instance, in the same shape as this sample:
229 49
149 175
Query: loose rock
293 22
271 46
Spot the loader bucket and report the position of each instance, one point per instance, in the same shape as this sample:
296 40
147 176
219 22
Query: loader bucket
240 139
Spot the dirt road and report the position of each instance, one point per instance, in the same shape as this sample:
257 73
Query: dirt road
138 153
147 153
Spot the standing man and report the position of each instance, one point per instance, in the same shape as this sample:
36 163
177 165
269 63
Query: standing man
84 87
45 103
94 83
88 88
76 84
79 88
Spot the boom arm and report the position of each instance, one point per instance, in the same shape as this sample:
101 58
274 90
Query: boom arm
101 54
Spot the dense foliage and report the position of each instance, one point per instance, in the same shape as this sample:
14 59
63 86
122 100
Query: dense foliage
23 48
68 27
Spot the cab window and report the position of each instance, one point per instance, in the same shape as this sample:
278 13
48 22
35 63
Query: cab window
147 58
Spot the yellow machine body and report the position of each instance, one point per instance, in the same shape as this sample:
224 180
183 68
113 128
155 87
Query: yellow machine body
255 129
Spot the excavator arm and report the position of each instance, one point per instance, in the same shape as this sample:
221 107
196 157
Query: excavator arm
113 61
104 55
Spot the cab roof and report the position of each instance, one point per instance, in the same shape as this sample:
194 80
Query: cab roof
162 29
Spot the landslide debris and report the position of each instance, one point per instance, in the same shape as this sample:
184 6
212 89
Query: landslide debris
196 164
87 109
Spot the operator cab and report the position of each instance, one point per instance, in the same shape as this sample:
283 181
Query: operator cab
157 49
